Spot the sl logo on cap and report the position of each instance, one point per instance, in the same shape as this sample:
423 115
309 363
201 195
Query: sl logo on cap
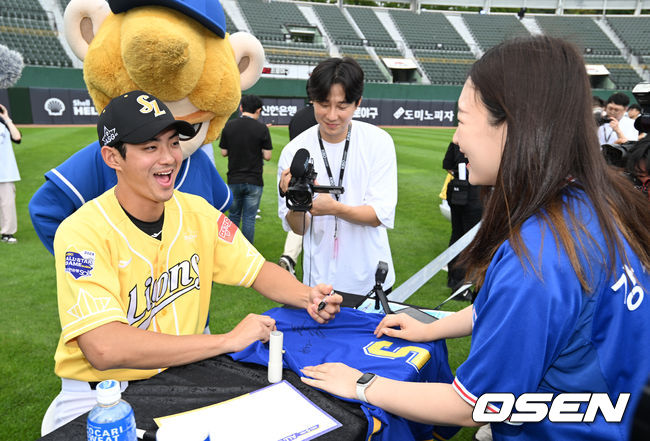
149 106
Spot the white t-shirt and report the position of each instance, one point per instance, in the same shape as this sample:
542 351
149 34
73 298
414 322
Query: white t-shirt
8 166
370 178
606 134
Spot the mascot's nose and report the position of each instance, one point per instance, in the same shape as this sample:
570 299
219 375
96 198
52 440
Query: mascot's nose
164 55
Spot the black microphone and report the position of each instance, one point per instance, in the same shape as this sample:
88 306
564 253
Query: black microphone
299 163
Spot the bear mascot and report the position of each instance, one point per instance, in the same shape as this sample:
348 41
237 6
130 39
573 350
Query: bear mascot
177 50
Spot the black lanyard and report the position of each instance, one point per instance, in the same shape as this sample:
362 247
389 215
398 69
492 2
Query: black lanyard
605 133
343 160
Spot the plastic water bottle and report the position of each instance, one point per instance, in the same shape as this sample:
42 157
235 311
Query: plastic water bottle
112 418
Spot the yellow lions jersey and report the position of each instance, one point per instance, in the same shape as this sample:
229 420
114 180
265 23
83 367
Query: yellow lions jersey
109 270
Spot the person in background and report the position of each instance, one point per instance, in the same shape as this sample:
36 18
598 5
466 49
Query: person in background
616 127
344 236
464 200
301 121
638 166
8 176
633 111
247 144
561 260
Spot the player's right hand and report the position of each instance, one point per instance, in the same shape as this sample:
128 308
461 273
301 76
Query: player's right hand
254 327
403 326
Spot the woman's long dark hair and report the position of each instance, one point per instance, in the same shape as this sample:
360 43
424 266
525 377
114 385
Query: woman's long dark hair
539 87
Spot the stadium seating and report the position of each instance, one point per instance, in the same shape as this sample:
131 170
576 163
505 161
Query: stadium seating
388 52
295 55
490 30
428 30
230 25
445 67
620 72
371 27
63 4
582 31
337 26
442 53
269 21
25 27
373 73
634 31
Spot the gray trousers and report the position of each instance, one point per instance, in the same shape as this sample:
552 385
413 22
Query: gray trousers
8 218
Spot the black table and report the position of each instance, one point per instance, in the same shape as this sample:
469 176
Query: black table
214 380
211 381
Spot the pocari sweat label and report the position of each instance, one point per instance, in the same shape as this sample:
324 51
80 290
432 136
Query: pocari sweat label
122 429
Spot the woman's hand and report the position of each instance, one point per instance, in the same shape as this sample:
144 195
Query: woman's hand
403 326
335 378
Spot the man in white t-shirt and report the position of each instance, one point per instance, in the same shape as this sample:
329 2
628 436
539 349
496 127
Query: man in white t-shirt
344 237
619 129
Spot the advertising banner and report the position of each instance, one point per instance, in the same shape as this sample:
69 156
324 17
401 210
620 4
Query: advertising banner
62 106
381 112
74 106
4 99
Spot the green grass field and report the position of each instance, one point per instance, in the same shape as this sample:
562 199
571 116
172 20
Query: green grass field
30 329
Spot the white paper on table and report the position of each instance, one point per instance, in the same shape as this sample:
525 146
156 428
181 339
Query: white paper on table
278 412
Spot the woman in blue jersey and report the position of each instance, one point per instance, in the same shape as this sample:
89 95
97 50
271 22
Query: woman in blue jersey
561 261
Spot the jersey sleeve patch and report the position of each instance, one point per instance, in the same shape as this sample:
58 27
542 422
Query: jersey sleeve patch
79 264
227 229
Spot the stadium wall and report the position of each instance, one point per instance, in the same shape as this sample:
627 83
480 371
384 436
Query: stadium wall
40 93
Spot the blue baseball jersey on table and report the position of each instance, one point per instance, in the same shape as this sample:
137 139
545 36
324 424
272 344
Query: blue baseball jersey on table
85 176
549 335
349 339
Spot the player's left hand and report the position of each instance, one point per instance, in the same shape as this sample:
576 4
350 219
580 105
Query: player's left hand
285 178
323 204
335 378
332 303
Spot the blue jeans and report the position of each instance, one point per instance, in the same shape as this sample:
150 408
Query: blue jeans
245 202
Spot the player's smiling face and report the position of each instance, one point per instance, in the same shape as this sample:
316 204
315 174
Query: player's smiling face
147 174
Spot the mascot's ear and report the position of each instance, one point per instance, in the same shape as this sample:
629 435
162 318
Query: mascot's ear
81 20
249 55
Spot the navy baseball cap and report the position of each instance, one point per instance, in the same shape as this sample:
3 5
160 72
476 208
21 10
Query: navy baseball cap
137 117
207 12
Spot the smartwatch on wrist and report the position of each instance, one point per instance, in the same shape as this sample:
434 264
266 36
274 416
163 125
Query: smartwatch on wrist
363 383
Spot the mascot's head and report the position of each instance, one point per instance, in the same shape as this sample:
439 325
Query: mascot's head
177 50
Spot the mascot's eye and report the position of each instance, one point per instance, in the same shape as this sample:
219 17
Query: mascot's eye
196 127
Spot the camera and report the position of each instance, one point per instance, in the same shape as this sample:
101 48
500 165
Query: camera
616 154
300 193
601 119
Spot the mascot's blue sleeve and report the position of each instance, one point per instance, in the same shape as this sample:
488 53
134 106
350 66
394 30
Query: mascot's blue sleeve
199 176
82 177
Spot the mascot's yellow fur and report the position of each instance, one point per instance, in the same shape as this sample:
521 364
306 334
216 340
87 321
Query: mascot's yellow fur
162 51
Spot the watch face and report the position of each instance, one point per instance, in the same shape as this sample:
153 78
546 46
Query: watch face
365 378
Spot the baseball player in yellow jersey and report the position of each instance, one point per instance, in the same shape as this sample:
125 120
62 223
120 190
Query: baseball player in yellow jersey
135 266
